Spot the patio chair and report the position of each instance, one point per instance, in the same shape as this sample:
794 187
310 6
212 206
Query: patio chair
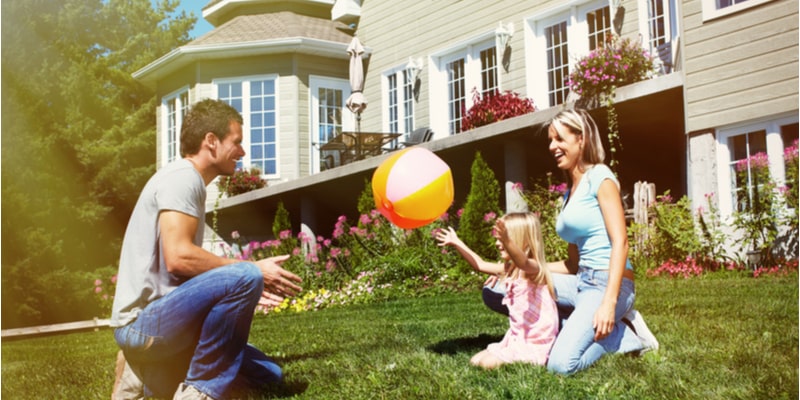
418 136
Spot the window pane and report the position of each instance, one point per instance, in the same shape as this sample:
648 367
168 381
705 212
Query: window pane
456 100
557 68
745 152
489 71
391 81
599 22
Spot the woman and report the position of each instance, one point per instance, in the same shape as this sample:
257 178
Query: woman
595 285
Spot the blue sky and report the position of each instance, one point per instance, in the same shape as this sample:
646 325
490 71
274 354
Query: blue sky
195 6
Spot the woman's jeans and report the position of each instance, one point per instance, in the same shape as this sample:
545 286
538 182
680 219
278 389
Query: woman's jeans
198 333
579 297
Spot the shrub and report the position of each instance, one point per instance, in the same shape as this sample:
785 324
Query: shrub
242 181
480 210
756 197
281 222
670 233
544 200
495 107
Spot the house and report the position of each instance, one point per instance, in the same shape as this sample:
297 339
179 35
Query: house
728 88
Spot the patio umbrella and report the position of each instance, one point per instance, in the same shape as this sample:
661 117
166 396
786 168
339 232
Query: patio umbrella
356 102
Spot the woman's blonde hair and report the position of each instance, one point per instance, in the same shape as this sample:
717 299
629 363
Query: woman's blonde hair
580 123
525 231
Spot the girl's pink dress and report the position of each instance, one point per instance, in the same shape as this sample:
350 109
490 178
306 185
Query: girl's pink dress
533 320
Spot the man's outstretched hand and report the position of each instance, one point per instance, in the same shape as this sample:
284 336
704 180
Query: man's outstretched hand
278 281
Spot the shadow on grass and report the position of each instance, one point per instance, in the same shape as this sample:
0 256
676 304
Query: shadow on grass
287 388
469 344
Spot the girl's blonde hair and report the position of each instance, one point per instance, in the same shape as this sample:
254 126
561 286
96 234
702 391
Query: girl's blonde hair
525 231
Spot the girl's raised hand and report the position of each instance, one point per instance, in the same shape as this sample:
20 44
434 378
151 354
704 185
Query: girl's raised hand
447 236
500 232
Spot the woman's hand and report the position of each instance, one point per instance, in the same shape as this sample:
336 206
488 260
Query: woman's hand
604 321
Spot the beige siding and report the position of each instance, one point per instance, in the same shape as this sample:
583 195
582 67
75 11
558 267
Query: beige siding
397 30
741 67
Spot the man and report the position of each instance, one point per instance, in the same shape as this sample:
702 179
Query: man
182 314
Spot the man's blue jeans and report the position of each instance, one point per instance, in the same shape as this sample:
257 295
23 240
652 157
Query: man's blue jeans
579 297
198 333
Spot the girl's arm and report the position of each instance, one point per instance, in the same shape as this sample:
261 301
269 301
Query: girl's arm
448 237
614 217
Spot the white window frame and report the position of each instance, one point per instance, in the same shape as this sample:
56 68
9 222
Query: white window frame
775 147
470 51
245 162
405 101
174 99
711 10
316 82
574 13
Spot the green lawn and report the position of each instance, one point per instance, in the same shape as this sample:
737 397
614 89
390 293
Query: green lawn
722 337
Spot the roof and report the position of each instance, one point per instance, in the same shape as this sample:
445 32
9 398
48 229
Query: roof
251 35
275 25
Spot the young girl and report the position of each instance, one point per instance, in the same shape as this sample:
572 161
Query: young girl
533 317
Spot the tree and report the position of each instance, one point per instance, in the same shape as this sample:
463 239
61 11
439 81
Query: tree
77 145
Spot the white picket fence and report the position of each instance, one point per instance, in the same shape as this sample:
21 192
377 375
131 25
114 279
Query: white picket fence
94 324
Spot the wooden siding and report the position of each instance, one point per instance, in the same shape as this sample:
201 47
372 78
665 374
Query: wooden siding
741 67
397 30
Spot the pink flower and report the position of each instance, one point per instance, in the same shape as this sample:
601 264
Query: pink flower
285 234
98 282
114 279
489 217
98 289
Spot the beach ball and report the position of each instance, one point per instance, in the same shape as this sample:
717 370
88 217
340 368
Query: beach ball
413 187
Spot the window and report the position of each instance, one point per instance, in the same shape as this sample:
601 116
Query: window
459 71
256 99
560 37
742 149
719 8
174 107
399 100
329 117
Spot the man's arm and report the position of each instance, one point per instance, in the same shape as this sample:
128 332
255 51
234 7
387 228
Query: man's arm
182 256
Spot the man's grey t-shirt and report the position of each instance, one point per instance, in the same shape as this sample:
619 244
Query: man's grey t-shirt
143 275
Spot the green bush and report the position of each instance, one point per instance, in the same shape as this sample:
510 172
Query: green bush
481 209
545 199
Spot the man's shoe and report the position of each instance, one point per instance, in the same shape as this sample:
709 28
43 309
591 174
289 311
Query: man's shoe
188 392
127 385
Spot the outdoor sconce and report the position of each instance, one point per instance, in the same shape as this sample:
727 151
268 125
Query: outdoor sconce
413 69
501 37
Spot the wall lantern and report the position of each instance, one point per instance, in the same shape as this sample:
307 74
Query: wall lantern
502 35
